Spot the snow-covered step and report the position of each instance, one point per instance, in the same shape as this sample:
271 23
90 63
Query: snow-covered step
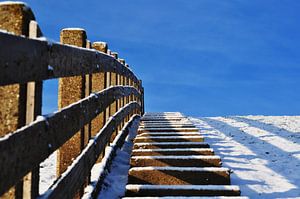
169 139
182 121
176 161
187 197
179 176
169 145
176 151
168 134
182 190
162 118
142 130
167 126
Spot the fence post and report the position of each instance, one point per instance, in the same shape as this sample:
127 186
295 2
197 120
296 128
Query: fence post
120 82
107 82
113 82
98 84
114 105
15 18
71 89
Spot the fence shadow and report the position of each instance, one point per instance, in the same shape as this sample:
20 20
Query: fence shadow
249 141
268 127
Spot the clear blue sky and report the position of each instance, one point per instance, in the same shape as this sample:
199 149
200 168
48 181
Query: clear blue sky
200 57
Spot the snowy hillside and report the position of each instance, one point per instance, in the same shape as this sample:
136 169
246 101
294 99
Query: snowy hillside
262 151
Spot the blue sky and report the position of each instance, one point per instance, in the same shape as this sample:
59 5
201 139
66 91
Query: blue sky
200 57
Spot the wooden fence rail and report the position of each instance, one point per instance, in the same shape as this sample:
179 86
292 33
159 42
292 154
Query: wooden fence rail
39 60
98 94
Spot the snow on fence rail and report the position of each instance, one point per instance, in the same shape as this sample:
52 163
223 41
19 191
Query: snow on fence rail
98 94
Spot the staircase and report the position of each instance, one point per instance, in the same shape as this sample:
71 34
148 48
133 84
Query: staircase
171 159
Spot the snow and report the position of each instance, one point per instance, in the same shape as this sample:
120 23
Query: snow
174 149
47 173
263 151
189 197
115 182
184 187
79 29
167 137
177 157
161 129
199 169
170 143
169 133
13 2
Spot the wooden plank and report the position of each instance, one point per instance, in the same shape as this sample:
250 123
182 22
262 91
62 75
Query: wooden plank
74 177
33 109
38 140
42 60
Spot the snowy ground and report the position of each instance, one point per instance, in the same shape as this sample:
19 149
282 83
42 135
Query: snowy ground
262 151
116 180
47 172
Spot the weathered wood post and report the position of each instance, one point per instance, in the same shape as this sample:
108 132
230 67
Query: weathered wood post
33 109
16 110
108 84
141 97
71 89
88 90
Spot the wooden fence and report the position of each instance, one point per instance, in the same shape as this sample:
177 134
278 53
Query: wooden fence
99 97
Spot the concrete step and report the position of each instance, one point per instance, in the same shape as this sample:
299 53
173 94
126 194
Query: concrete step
169 134
179 176
187 197
176 161
141 130
176 151
169 139
169 145
182 190
162 119
166 126
182 121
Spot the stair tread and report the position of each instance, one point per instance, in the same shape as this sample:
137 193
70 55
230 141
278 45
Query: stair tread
178 157
170 168
194 187
187 197
174 149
